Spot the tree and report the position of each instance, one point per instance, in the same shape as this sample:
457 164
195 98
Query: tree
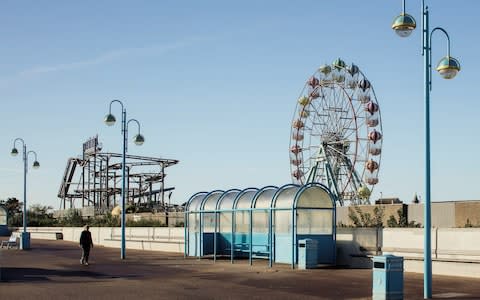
13 205
14 211
39 215
364 193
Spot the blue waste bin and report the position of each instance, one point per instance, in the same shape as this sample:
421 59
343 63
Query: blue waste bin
387 277
307 254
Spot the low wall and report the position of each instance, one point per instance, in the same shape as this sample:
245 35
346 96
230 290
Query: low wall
356 245
455 251
45 233
168 239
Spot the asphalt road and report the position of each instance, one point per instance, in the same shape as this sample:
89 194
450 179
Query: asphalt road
51 270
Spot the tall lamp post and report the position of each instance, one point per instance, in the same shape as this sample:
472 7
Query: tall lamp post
448 67
25 236
138 140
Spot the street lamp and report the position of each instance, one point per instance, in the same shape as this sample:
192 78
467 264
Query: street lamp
138 140
25 236
448 67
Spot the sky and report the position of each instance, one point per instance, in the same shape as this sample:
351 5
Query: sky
214 84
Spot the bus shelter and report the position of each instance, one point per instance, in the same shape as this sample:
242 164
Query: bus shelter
265 223
3 221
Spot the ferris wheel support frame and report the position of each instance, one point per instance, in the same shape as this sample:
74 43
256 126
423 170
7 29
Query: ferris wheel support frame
331 181
331 176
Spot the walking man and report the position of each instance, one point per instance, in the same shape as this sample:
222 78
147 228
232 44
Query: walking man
85 243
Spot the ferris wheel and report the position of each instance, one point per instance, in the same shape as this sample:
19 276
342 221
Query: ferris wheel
336 135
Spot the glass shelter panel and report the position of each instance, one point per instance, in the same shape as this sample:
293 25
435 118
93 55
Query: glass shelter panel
3 216
264 199
314 197
283 222
194 234
227 200
242 221
245 200
260 232
224 237
195 202
314 221
283 241
241 238
260 221
285 197
194 222
225 223
211 203
209 222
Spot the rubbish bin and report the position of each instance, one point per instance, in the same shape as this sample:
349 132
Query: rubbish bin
387 277
307 254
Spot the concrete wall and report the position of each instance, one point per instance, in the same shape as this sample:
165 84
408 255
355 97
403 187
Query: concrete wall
355 245
170 239
455 251
444 214
467 212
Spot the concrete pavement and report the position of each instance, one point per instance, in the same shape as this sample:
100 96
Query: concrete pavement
51 270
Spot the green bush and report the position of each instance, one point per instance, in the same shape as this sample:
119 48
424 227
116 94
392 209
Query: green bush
106 220
72 218
41 216
402 221
363 219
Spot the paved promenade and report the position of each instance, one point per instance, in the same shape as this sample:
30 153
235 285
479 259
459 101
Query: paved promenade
51 270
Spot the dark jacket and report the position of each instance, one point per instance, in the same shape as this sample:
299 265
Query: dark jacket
86 239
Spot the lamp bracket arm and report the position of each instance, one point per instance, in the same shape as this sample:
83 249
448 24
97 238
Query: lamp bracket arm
18 139
110 106
136 121
446 34
34 153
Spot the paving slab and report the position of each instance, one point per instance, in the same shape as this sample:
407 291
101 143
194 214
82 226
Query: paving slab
52 270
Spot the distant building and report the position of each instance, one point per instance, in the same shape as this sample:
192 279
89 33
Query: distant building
388 201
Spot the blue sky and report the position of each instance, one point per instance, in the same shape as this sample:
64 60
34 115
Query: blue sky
214 85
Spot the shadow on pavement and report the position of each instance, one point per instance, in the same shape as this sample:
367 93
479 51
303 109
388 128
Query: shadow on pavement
37 274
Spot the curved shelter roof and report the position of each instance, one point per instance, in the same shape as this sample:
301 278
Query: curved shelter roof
290 196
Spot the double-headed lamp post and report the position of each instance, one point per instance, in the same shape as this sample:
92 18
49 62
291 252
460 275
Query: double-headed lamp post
138 140
25 237
448 67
